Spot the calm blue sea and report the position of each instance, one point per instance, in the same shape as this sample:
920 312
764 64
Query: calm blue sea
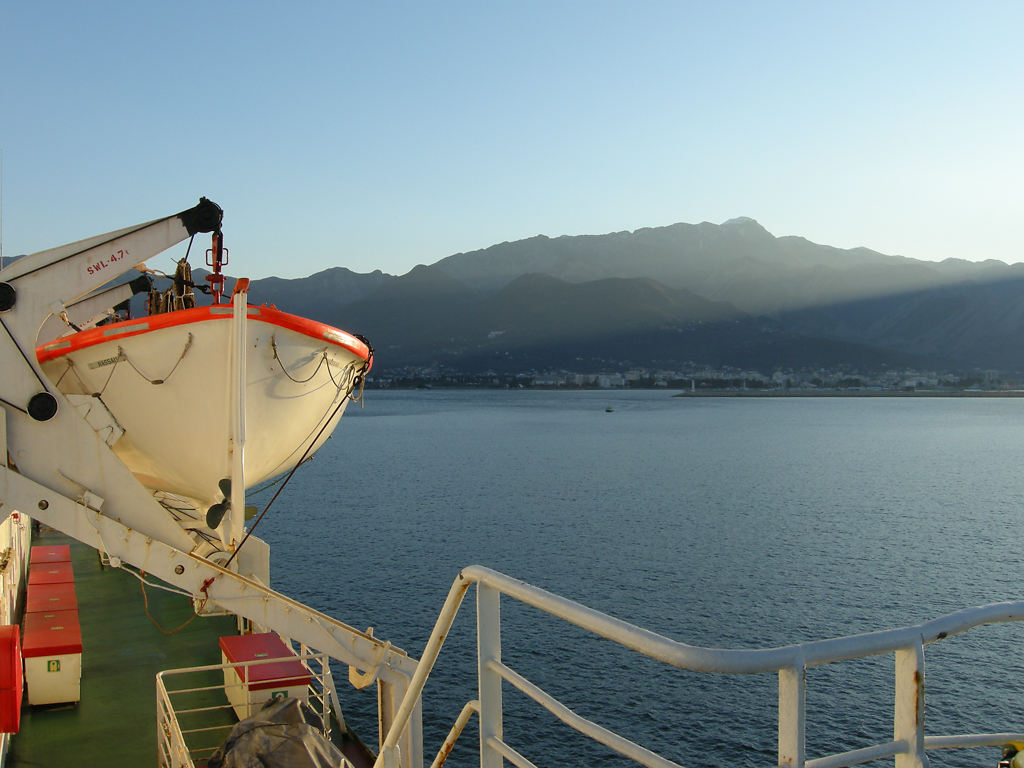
715 521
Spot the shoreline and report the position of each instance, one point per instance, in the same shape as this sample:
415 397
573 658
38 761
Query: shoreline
766 393
853 393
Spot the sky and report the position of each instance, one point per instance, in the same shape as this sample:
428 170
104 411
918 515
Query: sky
389 134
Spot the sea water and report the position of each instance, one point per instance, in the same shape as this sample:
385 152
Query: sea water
724 522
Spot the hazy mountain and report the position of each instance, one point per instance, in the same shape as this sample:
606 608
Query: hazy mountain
336 285
967 325
738 261
729 294
426 313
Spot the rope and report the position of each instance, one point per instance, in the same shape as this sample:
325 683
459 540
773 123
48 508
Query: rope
74 369
181 292
145 602
323 359
362 371
110 375
122 355
208 538
178 513
66 369
67 321
182 277
269 485
189 620
180 295
98 395
346 379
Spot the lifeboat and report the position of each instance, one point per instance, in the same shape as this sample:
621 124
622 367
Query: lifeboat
158 389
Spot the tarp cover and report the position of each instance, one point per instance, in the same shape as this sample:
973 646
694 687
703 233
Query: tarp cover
284 734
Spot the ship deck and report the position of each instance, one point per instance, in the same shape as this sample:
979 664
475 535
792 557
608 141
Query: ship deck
115 721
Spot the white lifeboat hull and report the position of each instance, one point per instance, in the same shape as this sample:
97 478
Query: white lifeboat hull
165 379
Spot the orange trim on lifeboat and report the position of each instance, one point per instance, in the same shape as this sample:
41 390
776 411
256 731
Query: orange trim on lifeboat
181 317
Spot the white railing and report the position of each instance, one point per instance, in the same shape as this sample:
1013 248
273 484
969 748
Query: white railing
194 714
907 644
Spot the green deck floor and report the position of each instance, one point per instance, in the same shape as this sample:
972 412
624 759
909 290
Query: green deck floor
114 724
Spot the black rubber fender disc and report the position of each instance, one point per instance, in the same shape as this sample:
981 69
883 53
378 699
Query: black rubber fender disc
8 296
42 407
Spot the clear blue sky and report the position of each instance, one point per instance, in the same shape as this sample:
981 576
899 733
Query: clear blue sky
384 135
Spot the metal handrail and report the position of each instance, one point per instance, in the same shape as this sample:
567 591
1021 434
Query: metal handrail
470 708
790 662
743 661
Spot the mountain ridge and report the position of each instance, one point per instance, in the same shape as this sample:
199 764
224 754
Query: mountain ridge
673 291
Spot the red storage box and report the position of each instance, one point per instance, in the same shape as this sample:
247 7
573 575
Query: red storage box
50 573
10 679
52 650
46 598
249 687
54 553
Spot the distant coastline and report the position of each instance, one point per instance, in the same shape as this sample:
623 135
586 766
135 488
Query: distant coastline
723 392
851 393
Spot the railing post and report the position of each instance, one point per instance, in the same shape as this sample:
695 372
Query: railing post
161 750
908 719
390 696
792 716
390 757
488 633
